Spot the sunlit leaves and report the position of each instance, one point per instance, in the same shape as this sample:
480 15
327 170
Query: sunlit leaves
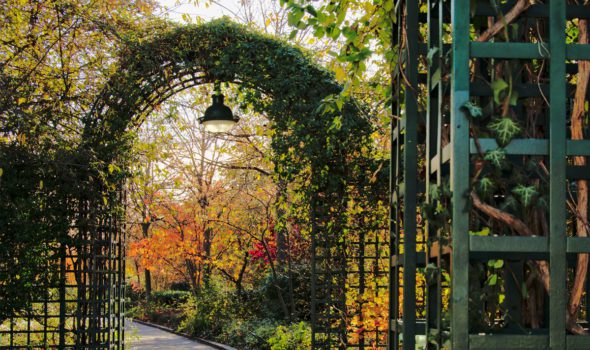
496 157
473 109
486 186
526 194
504 129
492 279
483 232
498 87
295 16
360 28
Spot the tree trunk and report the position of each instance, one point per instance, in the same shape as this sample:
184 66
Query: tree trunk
240 279
577 130
281 233
192 275
207 250
148 284
145 227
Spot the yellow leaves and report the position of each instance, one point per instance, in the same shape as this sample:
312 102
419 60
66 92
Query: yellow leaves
186 17
21 138
340 73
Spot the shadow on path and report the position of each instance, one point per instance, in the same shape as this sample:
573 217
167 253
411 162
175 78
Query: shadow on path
142 337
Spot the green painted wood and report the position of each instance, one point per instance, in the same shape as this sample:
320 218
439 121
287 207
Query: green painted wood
509 244
460 16
557 165
508 342
506 246
578 342
516 146
536 147
578 51
578 244
537 10
512 50
410 176
508 50
578 147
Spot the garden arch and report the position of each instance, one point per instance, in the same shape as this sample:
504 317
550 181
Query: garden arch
283 83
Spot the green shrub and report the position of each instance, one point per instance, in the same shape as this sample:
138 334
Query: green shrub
249 320
270 304
185 286
296 336
170 297
206 314
248 334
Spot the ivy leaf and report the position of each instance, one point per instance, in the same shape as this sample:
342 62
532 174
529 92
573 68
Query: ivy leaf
474 110
505 129
498 86
496 157
493 279
525 193
486 185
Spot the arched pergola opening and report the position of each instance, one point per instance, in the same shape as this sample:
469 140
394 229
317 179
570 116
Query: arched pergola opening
329 152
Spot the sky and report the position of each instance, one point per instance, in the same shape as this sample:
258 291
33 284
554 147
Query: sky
175 9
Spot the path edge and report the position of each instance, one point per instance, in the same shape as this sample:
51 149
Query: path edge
185 335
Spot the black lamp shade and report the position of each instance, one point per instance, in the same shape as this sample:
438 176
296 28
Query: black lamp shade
218 117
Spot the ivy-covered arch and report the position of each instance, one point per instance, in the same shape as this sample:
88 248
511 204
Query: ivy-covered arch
329 150
183 57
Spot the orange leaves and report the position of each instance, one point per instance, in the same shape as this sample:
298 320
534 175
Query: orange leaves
168 248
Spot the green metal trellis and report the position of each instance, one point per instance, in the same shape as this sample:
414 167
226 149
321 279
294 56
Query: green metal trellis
439 58
85 307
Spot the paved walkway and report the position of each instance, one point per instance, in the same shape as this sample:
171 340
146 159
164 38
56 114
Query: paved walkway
148 338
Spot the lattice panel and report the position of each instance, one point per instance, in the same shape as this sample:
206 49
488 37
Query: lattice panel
85 308
441 147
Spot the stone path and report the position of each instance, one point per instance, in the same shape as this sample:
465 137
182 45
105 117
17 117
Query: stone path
148 338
